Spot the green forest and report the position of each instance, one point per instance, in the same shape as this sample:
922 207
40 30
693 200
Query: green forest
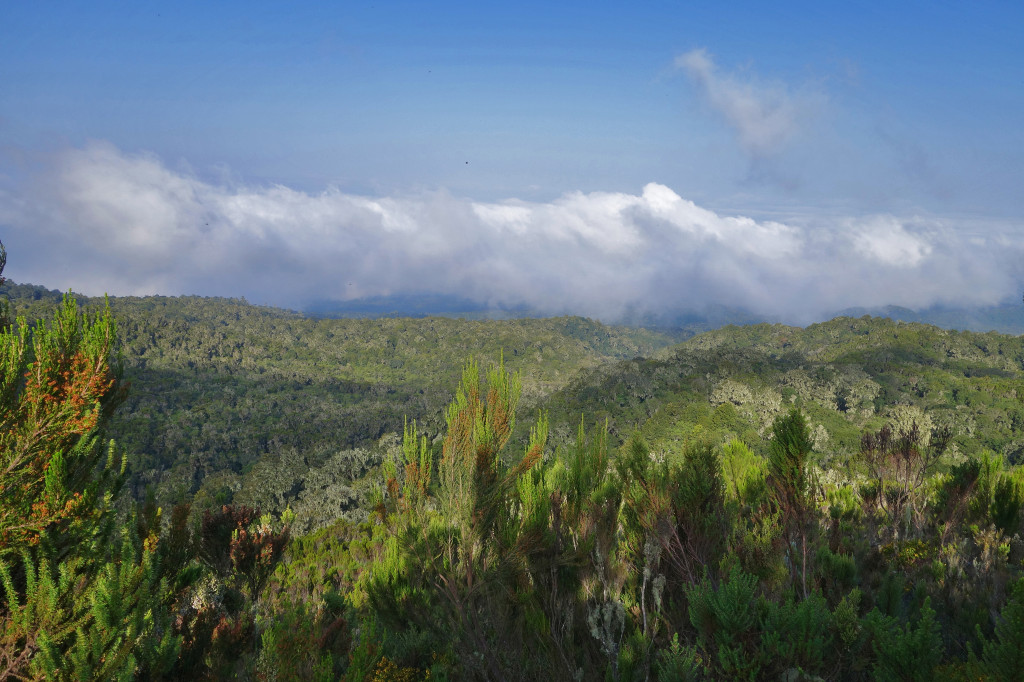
205 489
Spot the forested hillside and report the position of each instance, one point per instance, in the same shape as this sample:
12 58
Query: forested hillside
228 397
353 499
847 375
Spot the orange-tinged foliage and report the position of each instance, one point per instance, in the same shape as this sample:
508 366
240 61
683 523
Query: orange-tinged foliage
61 384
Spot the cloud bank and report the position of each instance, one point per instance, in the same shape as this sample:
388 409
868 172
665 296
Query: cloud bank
99 220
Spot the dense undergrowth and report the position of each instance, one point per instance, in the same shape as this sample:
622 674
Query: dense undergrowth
839 503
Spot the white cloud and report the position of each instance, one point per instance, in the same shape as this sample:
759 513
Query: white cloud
888 241
764 117
100 220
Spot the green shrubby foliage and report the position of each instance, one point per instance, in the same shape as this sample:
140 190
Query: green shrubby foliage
1002 657
744 472
907 652
837 503
1007 502
679 663
711 562
78 600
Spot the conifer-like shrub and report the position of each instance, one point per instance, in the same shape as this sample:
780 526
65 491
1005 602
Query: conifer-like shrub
78 601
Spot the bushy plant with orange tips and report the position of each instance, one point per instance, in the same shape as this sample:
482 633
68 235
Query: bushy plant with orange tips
59 384
78 600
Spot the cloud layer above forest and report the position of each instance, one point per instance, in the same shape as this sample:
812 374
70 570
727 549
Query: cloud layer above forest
99 220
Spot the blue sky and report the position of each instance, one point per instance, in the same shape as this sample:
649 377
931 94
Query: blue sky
883 136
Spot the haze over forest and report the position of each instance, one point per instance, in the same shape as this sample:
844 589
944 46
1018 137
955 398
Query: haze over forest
570 159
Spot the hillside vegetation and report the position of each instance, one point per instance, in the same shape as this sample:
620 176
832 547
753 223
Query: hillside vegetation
847 375
292 498
221 389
